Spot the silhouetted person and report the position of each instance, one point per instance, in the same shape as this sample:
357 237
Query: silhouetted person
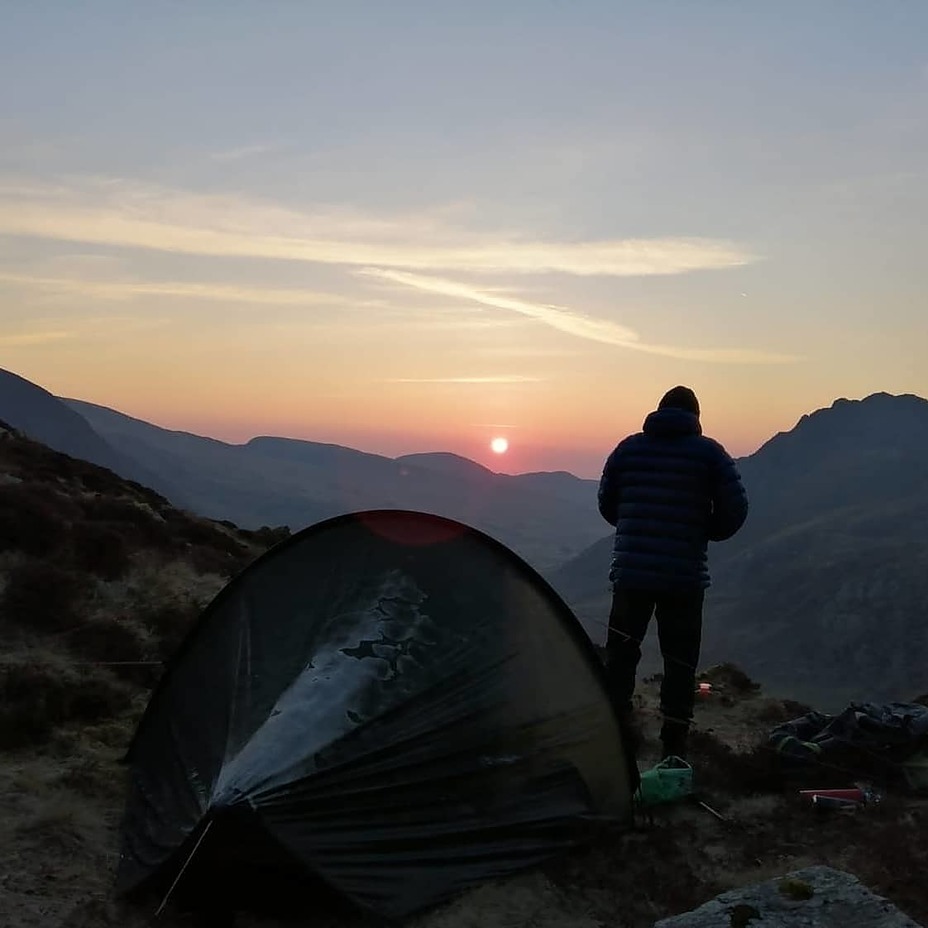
668 490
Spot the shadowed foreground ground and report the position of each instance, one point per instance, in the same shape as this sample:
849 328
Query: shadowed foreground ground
60 807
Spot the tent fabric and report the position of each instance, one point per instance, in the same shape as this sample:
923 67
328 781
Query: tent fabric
390 703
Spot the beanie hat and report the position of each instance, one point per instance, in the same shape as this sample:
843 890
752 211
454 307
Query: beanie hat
680 398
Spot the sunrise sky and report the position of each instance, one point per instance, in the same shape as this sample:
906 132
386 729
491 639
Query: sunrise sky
416 226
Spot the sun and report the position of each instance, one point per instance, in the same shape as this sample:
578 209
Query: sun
499 445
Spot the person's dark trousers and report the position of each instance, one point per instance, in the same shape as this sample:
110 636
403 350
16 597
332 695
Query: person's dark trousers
679 628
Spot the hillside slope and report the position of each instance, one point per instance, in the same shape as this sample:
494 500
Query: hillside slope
47 419
100 578
96 573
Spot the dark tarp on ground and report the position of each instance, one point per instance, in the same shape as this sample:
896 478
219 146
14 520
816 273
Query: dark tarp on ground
390 702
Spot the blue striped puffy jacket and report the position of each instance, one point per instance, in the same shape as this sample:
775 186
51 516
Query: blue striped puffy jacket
669 490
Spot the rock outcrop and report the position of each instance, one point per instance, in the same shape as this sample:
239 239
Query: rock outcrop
816 897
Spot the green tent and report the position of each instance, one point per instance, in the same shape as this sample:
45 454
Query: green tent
389 705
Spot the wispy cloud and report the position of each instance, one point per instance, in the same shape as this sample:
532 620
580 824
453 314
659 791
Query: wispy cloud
52 329
127 289
566 321
19 339
574 323
121 214
496 378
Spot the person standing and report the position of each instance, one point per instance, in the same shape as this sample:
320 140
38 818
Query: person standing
668 490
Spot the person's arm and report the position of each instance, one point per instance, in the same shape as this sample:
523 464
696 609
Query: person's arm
608 495
729 499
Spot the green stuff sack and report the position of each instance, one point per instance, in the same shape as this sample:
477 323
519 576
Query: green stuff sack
668 781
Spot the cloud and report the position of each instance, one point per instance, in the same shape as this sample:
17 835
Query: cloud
120 214
31 338
558 318
84 328
498 378
128 289
574 323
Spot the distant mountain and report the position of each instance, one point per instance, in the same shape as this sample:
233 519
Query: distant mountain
552 484
821 595
855 452
444 462
45 418
823 591
282 481
564 486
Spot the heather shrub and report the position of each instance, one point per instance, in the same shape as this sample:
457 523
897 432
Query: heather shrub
110 639
43 596
39 463
122 643
203 533
170 621
100 550
731 677
148 496
99 480
36 698
205 560
29 522
108 509
138 525
268 536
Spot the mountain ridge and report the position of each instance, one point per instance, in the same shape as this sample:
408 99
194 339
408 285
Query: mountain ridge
831 543
41 415
272 481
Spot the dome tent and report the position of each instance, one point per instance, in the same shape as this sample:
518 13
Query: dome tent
390 704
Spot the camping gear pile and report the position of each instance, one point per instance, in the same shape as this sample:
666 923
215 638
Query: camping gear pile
887 743
871 747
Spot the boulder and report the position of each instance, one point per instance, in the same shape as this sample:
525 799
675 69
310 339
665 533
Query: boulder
815 897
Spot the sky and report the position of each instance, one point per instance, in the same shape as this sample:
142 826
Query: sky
419 226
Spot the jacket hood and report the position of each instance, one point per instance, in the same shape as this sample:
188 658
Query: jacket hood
671 422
